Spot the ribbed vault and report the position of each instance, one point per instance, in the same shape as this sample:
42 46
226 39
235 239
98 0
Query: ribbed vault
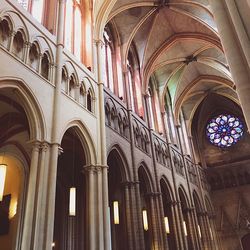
177 46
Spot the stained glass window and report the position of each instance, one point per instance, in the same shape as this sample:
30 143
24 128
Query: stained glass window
224 130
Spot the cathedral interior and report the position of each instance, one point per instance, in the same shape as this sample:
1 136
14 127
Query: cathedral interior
124 125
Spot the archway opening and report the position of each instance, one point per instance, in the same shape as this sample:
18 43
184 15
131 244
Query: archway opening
70 205
168 215
117 201
14 162
146 208
200 219
186 223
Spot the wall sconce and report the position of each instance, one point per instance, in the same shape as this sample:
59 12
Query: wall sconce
199 230
2 179
53 244
145 220
72 201
166 222
185 228
116 212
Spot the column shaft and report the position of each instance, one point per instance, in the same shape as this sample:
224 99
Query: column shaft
235 55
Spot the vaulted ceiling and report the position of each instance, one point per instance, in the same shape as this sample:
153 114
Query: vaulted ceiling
178 46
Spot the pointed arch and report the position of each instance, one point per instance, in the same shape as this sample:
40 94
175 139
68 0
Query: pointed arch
30 104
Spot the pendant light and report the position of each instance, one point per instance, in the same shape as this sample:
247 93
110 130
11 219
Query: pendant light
185 228
166 222
72 189
199 230
145 219
116 212
3 168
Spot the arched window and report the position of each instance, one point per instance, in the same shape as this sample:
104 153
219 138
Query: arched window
72 84
45 66
151 103
18 45
73 27
35 7
64 80
130 85
134 82
89 101
4 33
108 62
82 95
34 56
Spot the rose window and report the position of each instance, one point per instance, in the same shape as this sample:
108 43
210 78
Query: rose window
224 130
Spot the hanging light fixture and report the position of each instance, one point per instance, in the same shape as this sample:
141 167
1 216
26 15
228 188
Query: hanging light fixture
72 190
166 222
185 228
3 168
199 230
145 219
72 201
116 212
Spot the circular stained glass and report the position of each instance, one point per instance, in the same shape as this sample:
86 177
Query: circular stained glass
224 130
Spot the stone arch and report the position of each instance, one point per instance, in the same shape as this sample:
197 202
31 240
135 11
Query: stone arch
30 104
147 177
197 201
164 181
85 138
6 27
183 196
18 22
126 175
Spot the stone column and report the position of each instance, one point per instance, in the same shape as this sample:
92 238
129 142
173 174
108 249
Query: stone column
10 45
129 214
180 220
55 137
27 46
155 225
91 207
175 216
235 53
39 222
99 205
102 154
192 228
194 224
39 63
161 220
28 228
205 230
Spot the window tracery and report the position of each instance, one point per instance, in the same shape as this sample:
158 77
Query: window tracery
224 130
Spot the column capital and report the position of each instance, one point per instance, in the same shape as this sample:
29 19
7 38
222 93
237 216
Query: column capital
94 168
154 194
44 146
98 42
34 144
